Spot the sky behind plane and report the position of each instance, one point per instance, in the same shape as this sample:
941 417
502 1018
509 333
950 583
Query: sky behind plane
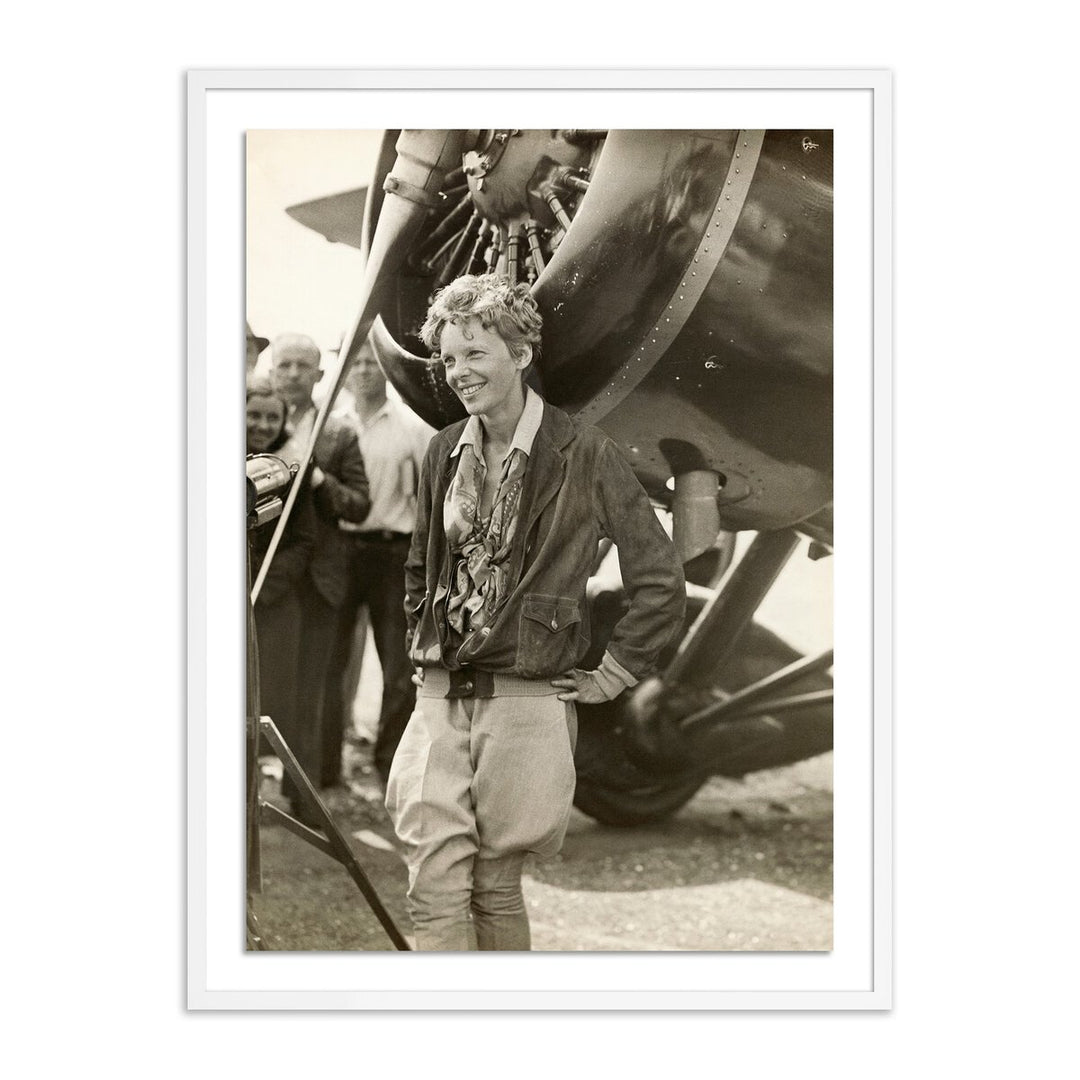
297 281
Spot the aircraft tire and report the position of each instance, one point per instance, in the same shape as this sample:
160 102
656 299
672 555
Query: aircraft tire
641 806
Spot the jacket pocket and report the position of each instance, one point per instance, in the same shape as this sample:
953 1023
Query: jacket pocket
549 635
423 646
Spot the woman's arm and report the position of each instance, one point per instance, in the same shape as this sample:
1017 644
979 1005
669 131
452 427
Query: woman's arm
651 572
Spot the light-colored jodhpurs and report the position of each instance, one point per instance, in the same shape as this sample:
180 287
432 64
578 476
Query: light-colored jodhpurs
476 784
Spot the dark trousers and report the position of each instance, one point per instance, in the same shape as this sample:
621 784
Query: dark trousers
377 581
318 625
277 628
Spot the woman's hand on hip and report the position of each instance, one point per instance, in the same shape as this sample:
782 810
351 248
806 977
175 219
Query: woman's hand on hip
583 686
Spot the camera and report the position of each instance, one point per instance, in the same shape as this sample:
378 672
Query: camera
268 480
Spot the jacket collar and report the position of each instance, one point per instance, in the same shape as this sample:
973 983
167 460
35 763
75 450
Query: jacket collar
524 434
547 462
556 431
557 426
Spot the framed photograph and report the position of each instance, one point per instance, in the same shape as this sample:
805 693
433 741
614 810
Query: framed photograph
701 263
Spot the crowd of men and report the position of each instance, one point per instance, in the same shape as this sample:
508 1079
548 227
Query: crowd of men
361 492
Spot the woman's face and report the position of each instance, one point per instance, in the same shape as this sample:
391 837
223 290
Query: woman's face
265 419
481 369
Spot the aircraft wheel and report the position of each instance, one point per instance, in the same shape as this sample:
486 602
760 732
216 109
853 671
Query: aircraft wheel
640 806
611 786
614 788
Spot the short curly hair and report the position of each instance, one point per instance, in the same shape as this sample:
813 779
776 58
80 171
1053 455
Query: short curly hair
508 310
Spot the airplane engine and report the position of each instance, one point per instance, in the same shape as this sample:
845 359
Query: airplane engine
685 279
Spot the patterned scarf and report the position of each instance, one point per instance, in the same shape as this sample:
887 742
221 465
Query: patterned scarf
480 549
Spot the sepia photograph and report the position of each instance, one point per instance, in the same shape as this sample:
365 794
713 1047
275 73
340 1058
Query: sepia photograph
601 651
512 665
539 437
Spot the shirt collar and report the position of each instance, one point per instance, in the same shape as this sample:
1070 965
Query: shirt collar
378 414
524 434
297 413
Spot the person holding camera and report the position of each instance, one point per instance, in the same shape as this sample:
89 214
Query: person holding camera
277 609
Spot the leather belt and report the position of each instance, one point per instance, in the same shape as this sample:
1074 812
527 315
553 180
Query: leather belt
378 536
470 682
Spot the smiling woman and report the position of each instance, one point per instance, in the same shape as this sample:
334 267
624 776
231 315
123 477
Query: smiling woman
485 373
512 506
466 348
265 414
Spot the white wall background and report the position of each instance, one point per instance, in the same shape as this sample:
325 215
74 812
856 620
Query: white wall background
986 386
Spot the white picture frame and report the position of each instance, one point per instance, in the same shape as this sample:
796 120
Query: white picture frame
857 974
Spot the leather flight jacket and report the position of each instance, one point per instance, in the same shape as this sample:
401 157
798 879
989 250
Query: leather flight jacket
578 489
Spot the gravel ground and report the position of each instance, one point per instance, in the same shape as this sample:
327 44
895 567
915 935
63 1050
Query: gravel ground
744 866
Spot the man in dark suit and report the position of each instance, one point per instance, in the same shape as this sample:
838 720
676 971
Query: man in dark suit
340 489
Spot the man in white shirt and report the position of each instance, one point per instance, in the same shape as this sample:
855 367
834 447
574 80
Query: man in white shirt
393 441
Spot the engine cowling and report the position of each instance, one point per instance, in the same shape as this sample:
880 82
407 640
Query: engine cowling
685 278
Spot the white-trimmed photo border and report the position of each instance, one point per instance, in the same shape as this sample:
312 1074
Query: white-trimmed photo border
857 106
